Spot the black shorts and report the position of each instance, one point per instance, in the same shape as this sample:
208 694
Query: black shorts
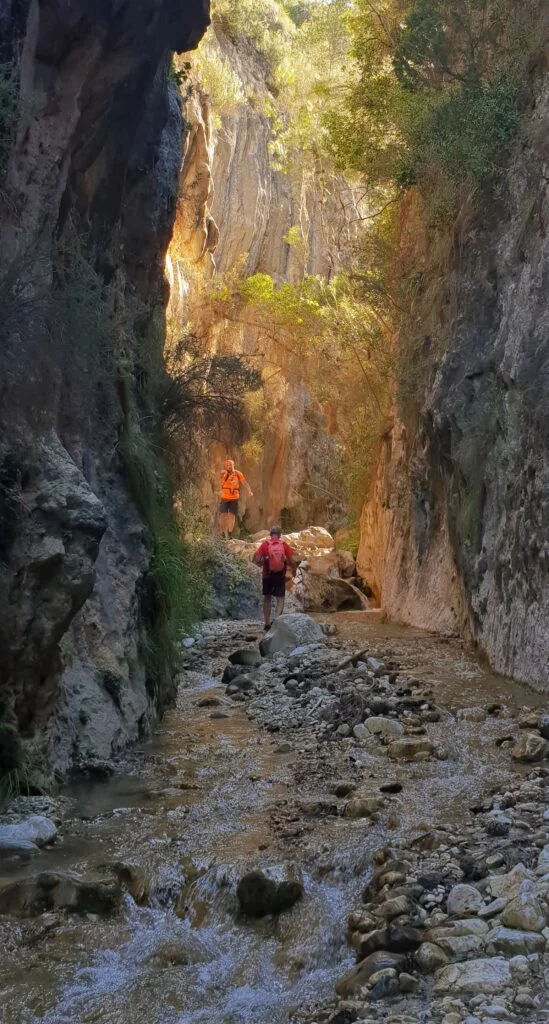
274 585
229 506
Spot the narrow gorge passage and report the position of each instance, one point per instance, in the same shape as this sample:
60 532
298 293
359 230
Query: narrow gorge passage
274 268
266 778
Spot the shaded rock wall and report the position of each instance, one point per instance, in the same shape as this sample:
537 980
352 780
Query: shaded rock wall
455 535
91 180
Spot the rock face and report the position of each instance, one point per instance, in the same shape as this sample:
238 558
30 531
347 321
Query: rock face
89 190
454 535
243 210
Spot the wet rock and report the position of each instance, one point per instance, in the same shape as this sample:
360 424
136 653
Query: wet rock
388 728
386 984
52 891
530 748
358 976
410 748
208 702
463 901
513 942
404 938
259 896
37 830
289 631
132 878
21 848
489 975
430 958
245 656
394 907
374 940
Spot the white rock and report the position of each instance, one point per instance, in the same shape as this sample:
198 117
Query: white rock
389 728
525 912
290 631
464 901
36 829
473 976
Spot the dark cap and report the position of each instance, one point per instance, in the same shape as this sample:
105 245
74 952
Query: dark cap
276 531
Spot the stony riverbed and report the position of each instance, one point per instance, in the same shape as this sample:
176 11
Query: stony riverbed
382 771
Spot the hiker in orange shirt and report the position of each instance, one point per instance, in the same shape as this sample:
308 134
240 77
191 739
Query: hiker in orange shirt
275 556
231 482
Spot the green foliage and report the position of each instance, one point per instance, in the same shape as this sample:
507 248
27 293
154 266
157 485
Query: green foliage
266 24
22 766
218 79
433 101
176 591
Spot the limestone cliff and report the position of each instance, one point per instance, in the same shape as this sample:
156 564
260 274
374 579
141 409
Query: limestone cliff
237 215
455 534
89 163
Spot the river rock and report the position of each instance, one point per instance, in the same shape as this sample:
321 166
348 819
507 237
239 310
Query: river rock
543 726
362 807
543 861
259 896
21 848
358 976
458 947
394 907
473 977
430 957
464 901
525 912
289 631
245 656
376 939
388 728
410 748
37 830
513 942
530 747
50 891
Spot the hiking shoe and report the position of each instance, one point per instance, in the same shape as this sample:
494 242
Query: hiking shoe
265 628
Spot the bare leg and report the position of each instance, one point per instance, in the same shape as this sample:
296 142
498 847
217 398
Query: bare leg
224 523
279 606
267 610
230 522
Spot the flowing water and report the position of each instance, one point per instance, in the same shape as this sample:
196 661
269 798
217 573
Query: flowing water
194 809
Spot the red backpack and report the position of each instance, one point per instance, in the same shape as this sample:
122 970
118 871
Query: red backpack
277 555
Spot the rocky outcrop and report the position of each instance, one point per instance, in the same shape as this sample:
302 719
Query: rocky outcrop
455 534
87 203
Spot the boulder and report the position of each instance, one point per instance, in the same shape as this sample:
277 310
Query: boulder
430 957
259 896
289 631
410 748
388 728
473 977
36 829
321 592
21 848
358 976
50 891
464 901
513 942
362 807
530 748
525 911
245 656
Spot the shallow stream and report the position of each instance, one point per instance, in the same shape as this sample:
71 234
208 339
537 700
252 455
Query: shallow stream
194 809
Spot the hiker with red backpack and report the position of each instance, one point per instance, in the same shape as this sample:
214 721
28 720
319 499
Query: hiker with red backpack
274 555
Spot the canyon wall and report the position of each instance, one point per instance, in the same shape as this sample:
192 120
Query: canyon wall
89 166
455 535
237 215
